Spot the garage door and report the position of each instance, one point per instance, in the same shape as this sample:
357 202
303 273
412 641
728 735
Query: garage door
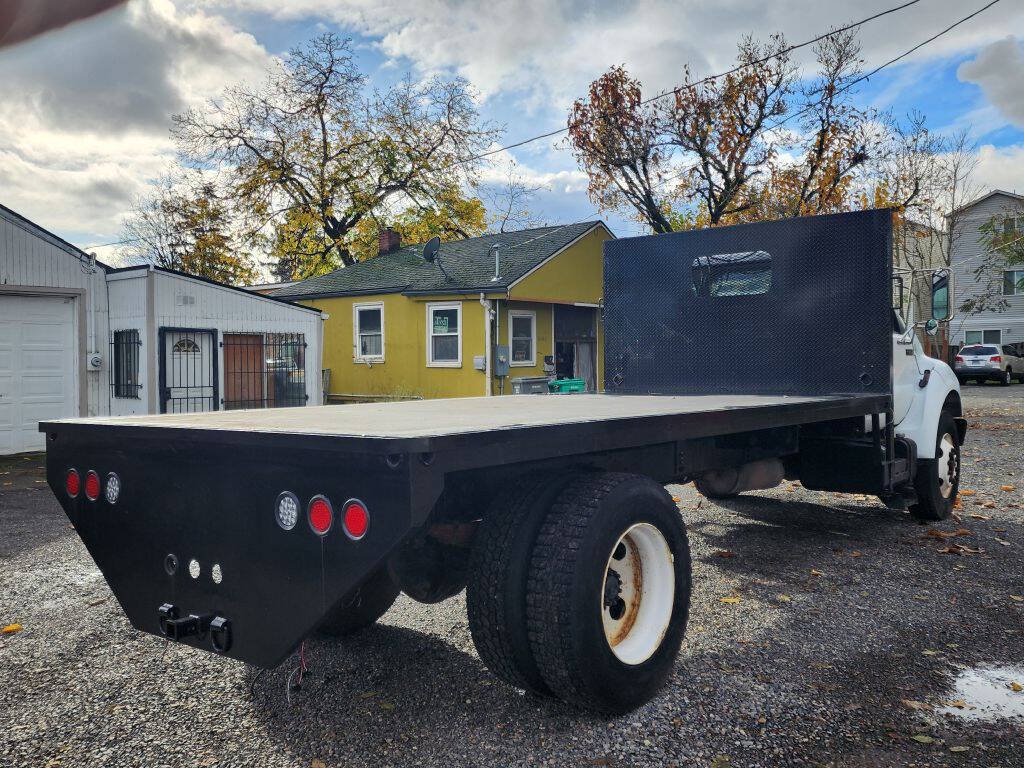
37 367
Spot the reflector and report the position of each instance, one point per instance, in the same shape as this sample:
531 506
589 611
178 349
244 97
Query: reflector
92 485
321 515
73 483
355 520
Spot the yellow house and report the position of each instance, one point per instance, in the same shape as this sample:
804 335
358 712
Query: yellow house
485 314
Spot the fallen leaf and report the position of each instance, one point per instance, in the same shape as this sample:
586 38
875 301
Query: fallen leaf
317 763
855 553
989 505
917 706
1017 598
965 492
976 516
922 739
957 703
10 629
676 499
816 572
1003 542
1016 687
725 553
1007 488
788 599
958 749
730 600
721 761
930 653
387 705
935 533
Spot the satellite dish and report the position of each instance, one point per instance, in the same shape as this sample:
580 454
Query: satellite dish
430 249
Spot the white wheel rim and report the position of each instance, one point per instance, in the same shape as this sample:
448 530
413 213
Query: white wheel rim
637 594
946 465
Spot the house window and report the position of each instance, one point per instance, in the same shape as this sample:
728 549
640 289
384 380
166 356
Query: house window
125 369
444 335
983 337
368 331
1013 282
522 331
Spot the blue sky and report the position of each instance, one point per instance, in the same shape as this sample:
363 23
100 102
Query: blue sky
85 111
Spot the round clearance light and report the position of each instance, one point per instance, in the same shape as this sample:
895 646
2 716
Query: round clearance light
113 490
72 483
92 485
355 520
194 568
286 510
321 515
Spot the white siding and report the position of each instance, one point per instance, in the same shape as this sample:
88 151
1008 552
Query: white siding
182 302
127 291
968 254
31 258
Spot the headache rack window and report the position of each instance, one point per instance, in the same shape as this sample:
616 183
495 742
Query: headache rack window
124 370
264 370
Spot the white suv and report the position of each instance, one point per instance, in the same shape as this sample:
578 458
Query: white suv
982 362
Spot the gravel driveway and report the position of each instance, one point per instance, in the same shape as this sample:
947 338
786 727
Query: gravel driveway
844 646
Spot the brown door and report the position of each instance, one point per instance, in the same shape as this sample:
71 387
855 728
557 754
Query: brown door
244 371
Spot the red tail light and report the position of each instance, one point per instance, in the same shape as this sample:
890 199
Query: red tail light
92 485
321 515
355 520
996 359
72 483
959 359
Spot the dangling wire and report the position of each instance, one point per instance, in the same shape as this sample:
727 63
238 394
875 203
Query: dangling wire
298 672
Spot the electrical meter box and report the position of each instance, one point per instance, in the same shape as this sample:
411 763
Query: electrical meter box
501 360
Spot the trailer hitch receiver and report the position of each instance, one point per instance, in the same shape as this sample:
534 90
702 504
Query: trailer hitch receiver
177 628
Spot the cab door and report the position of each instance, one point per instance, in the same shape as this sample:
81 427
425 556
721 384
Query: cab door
905 371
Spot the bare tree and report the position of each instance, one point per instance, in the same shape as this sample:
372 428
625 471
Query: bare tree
509 203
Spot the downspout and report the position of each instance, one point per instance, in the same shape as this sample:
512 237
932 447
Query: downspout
486 304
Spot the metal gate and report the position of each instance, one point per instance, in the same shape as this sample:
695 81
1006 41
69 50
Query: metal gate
188 370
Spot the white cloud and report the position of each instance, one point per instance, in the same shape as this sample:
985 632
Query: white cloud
1001 167
998 70
549 51
85 111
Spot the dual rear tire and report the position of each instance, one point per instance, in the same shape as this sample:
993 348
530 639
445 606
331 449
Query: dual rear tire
580 588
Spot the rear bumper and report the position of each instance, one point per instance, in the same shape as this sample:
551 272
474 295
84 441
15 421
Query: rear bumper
978 372
193 537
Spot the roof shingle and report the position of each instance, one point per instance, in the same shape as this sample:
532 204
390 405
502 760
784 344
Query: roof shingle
469 264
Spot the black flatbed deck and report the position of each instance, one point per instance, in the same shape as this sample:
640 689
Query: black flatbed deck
554 424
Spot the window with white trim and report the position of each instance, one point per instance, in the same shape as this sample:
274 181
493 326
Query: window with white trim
444 335
1013 282
368 332
522 333
991 336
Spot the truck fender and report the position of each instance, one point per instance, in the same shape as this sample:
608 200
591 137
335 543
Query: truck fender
941 392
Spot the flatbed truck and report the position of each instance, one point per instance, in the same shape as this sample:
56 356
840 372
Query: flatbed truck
734 357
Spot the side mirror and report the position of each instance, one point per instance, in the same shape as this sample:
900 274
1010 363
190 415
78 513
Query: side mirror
942 305
931 327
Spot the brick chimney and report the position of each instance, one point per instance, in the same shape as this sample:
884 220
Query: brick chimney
389 241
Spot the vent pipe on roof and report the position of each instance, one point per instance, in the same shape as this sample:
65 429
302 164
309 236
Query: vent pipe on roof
496 250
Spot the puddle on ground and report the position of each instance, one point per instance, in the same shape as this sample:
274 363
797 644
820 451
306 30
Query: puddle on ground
987 693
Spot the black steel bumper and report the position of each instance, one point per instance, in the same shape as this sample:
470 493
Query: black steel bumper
188 509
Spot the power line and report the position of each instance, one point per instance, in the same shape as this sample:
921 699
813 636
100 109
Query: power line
710 78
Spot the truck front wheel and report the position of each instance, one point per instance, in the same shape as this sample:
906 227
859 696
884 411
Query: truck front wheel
363 607
938 480
608 592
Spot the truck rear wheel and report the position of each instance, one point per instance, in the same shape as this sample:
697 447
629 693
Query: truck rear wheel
363 607
608 593
938 480
498 570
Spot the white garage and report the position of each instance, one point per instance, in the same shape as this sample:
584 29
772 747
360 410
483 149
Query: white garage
37 367
78 338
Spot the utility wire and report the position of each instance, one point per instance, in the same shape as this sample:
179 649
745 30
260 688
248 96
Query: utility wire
712 78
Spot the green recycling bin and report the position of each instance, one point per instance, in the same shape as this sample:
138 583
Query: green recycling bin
565 386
